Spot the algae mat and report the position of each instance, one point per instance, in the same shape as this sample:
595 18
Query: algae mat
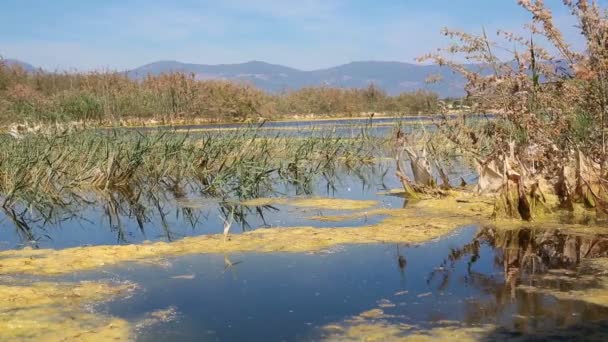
314 203
57 312
48 311
375 325
423 221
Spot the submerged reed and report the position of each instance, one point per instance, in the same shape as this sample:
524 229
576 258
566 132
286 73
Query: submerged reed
41 172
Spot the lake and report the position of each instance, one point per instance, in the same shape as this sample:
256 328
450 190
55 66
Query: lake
459 282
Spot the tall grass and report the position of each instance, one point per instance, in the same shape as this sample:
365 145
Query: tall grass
45 170
113 98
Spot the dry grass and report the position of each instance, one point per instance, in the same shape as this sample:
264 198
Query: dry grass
112 98
549 133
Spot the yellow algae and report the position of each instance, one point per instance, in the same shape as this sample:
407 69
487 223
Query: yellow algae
384 331
185 277
43 293
262 202
367 326
457 204
375 325
452 333
392 192
49 324
411 225
155 317
303 239
596 295
333 203
314 202
385 303
353 216
56 312
194 203
372 314
551 223
378 331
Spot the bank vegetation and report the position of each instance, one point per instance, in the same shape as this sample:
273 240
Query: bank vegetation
545 149
112 98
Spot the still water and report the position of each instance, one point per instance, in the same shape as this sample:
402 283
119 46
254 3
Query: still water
458 280
292 297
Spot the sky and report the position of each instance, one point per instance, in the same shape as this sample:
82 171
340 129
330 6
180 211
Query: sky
305 34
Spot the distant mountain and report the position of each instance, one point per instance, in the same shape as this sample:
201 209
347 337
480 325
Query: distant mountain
27 67
394 77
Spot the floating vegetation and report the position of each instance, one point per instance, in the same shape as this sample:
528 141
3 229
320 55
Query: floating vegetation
375 325
416 224
57 312
315 203
155 317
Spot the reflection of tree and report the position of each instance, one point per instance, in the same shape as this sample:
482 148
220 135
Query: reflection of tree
523 255
22 226
525 251
123 202
140 203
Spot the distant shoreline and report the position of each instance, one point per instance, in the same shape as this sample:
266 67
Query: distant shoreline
202 123
205 124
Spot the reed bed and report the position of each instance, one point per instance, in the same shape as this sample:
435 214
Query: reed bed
112 98
43 171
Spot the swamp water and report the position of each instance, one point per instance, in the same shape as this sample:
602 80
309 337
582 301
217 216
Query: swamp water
451 282
318 296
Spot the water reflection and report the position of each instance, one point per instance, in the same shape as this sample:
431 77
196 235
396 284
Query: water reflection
525 257
233 296
525 251
176 209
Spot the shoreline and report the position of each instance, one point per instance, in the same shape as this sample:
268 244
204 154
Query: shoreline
204 125
212 125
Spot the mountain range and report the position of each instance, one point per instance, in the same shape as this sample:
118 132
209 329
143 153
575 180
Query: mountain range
27 67
393 77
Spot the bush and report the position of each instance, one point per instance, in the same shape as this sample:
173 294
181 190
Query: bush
79 106
108 97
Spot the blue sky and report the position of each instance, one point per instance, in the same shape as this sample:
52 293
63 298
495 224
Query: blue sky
306 34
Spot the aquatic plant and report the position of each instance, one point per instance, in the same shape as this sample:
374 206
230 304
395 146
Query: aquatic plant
49 174
419 222
546 147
